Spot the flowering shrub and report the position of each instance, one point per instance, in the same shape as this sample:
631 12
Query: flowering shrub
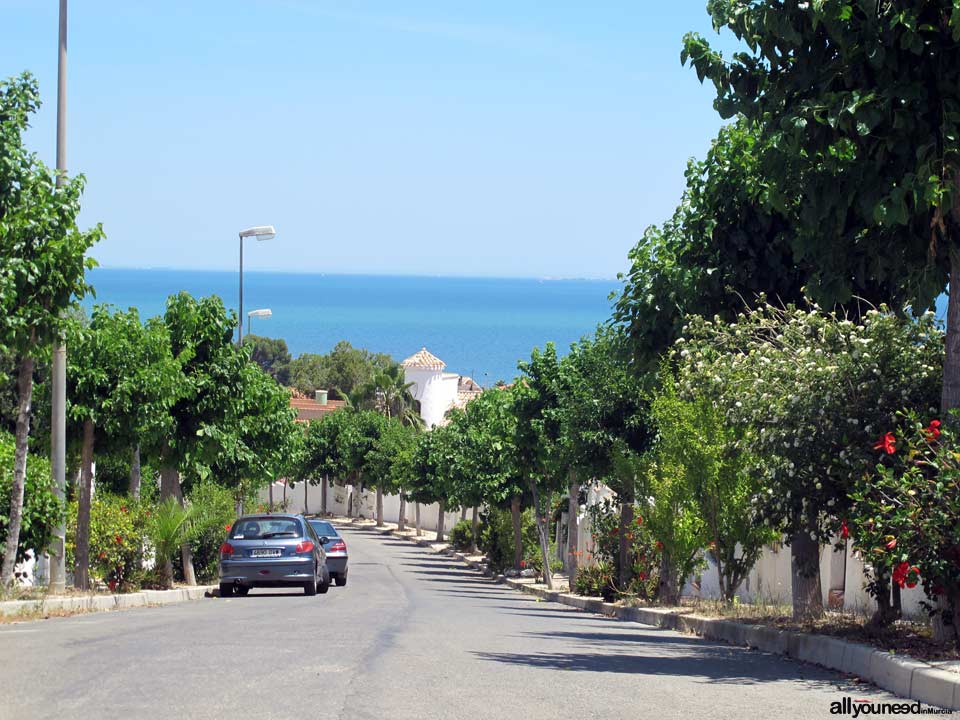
214 513
596 581
117 526
644 554
810 393
905 517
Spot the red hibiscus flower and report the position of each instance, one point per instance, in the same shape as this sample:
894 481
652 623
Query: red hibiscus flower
227 527
888 443
932 431
900 573
844 530
102 556
523 563
615 531
659 545
112 585
642 576
639 520
118 539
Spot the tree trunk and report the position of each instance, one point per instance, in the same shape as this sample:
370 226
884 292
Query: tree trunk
402 516
186 553
463 512
475 524
669 589
24 397
440 519
284 496
81 567
419 531
517 532
323 495
543 535
626 529
135 473
805 576
886 612
573 530
306 489
270 491
379 507
169 487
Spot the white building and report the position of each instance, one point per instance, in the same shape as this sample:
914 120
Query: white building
436 391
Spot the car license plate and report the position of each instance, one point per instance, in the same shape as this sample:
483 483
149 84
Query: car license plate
265 552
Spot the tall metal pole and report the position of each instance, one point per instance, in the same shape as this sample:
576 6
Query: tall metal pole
240 317
58 420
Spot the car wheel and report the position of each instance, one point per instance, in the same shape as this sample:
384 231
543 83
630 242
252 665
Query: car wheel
226 589
324 583
241 590
310 588
341 580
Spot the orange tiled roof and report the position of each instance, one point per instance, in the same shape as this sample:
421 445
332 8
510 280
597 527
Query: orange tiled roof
423 358
309 409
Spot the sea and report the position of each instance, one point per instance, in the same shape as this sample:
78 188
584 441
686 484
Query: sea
479 327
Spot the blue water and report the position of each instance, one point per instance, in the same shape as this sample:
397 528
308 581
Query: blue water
479 326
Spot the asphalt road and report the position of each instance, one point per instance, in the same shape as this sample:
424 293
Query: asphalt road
413 635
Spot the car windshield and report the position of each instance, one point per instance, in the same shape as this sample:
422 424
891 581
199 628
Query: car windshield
324 529
265 528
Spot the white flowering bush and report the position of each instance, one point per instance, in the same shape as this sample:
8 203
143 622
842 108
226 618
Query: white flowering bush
810 394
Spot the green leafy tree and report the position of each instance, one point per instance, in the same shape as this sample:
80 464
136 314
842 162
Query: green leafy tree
271 354
857 108
323 452
122 382
359 438
342 371
395 439
42 266
704 454
425 473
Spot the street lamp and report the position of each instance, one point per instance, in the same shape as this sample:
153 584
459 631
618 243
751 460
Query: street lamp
265 312
260 232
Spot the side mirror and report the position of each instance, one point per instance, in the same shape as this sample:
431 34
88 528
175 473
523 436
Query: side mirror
324 539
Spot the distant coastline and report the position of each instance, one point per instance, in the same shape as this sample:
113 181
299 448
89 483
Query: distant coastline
480 326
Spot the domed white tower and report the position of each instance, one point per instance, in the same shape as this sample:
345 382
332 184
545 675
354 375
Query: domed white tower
435 390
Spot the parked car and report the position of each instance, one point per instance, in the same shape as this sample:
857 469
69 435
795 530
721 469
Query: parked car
272 551
336 550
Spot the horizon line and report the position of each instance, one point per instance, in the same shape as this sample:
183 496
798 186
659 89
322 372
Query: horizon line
451 276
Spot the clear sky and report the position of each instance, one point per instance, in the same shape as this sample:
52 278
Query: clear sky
421 137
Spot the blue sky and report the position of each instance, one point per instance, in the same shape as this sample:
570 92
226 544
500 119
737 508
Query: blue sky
487 138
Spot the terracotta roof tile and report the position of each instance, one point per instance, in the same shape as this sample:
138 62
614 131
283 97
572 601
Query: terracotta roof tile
423 358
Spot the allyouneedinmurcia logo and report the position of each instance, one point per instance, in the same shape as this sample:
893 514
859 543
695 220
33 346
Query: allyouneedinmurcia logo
856 707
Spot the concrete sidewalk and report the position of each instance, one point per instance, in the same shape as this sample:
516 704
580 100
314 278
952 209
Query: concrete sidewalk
101 603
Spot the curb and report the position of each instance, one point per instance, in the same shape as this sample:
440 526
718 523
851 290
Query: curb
902 676
100 603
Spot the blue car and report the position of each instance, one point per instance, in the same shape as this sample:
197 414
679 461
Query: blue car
335 548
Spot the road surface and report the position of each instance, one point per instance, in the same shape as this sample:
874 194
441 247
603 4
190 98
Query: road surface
413 635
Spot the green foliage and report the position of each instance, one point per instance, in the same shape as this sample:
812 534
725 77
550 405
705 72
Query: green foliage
856 104
394 440
271 355
905 517
808 393
41 509
461 536
716 474
596 581
496 537
213 514
168 527
323 452
342 371
643 555
42 251
117 533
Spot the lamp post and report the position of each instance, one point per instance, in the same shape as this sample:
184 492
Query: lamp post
58 398
265 312
260 232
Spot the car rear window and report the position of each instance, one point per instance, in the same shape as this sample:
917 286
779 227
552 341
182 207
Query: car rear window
266 528
324 528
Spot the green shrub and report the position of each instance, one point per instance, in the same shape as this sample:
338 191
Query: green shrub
461 537
41 509
496 537
214 513
596 581
117 531
533 559
168 526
